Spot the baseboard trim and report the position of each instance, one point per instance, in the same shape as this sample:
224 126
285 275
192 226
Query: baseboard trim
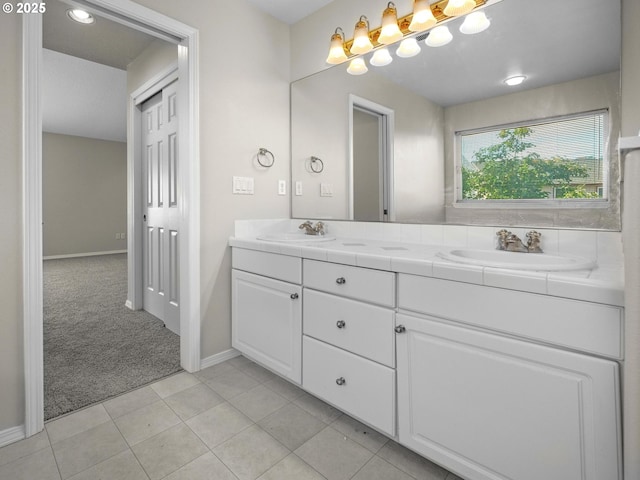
11 435
87 254
218 358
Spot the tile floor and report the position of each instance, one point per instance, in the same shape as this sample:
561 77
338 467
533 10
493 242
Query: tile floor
232 421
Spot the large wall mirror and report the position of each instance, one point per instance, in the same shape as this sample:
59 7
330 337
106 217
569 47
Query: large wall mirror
384 146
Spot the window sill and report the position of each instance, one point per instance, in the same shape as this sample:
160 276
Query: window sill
533 204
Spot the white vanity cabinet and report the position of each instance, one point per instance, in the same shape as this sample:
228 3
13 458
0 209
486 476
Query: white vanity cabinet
349 340
267 310
491 406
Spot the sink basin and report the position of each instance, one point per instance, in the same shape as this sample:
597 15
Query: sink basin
517 261
295 237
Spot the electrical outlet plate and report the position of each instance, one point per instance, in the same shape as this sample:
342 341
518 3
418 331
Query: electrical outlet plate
298 188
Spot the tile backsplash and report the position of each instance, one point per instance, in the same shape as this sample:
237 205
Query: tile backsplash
602 246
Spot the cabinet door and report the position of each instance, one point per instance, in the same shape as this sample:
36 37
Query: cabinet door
490 407
267 322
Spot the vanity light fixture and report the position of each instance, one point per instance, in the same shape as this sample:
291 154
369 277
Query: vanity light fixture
422 18
475 22
357 67
439 36
381 58
361 41
455 8
408 48
515 80
390 32
336 50
80 16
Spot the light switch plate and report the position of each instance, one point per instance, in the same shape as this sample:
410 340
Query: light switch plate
242 186
326 190
298 188
282 187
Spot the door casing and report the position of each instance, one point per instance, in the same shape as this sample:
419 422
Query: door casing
145 19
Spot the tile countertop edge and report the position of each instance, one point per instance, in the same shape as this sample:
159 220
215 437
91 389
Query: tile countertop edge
573 285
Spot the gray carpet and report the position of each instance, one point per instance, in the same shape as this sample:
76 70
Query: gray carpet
94 346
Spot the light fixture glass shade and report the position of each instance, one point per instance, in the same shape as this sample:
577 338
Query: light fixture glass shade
439 36
515 80
475 22
357 67
80 16
408 48
361 41
381 58
336 49
422 18
390 31
458 7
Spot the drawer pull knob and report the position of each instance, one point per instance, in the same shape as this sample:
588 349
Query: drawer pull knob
341 381
400 329
294 296
341 324
341 281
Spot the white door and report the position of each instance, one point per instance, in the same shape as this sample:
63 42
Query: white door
161 196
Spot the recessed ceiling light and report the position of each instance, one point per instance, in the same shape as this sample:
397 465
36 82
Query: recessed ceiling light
80 16
515 80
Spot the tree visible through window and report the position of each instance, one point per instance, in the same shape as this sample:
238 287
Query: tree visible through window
556 159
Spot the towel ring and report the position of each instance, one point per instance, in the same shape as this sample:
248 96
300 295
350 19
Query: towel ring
316 165
263 158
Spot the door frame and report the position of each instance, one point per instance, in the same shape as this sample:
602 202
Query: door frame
187 38
387 127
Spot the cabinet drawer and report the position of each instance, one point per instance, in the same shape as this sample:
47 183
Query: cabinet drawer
281 267
355 326
367 390
375 286
585 326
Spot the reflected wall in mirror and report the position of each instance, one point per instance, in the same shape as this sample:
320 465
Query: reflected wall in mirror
572 68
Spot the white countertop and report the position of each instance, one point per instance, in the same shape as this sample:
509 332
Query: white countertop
600 285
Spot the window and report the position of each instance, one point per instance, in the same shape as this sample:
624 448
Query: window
560 158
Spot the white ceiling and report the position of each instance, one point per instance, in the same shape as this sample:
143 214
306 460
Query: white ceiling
290 11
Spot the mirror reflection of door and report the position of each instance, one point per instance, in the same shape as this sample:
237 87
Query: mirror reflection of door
371 182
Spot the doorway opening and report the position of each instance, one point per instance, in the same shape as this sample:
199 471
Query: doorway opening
141 18
370 161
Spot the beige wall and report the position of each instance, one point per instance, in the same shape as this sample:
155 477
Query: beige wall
11 363
84 194
157 57
587 94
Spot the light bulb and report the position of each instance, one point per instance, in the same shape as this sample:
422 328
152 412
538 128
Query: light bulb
422 18
390 32
357 67
361 41
475 22
336 49
80 16
458 7
439 36
381 58
408 48
515 80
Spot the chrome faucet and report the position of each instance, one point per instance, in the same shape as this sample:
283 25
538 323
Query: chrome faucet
510 242
310 229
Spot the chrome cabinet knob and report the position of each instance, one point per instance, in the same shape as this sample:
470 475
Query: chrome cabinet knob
400 329
341 324
341 381
341 280
294 296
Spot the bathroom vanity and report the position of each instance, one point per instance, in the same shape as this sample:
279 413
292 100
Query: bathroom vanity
492 373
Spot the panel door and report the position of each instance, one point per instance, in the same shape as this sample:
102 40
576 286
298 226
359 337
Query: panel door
490 407
161 197
267 322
